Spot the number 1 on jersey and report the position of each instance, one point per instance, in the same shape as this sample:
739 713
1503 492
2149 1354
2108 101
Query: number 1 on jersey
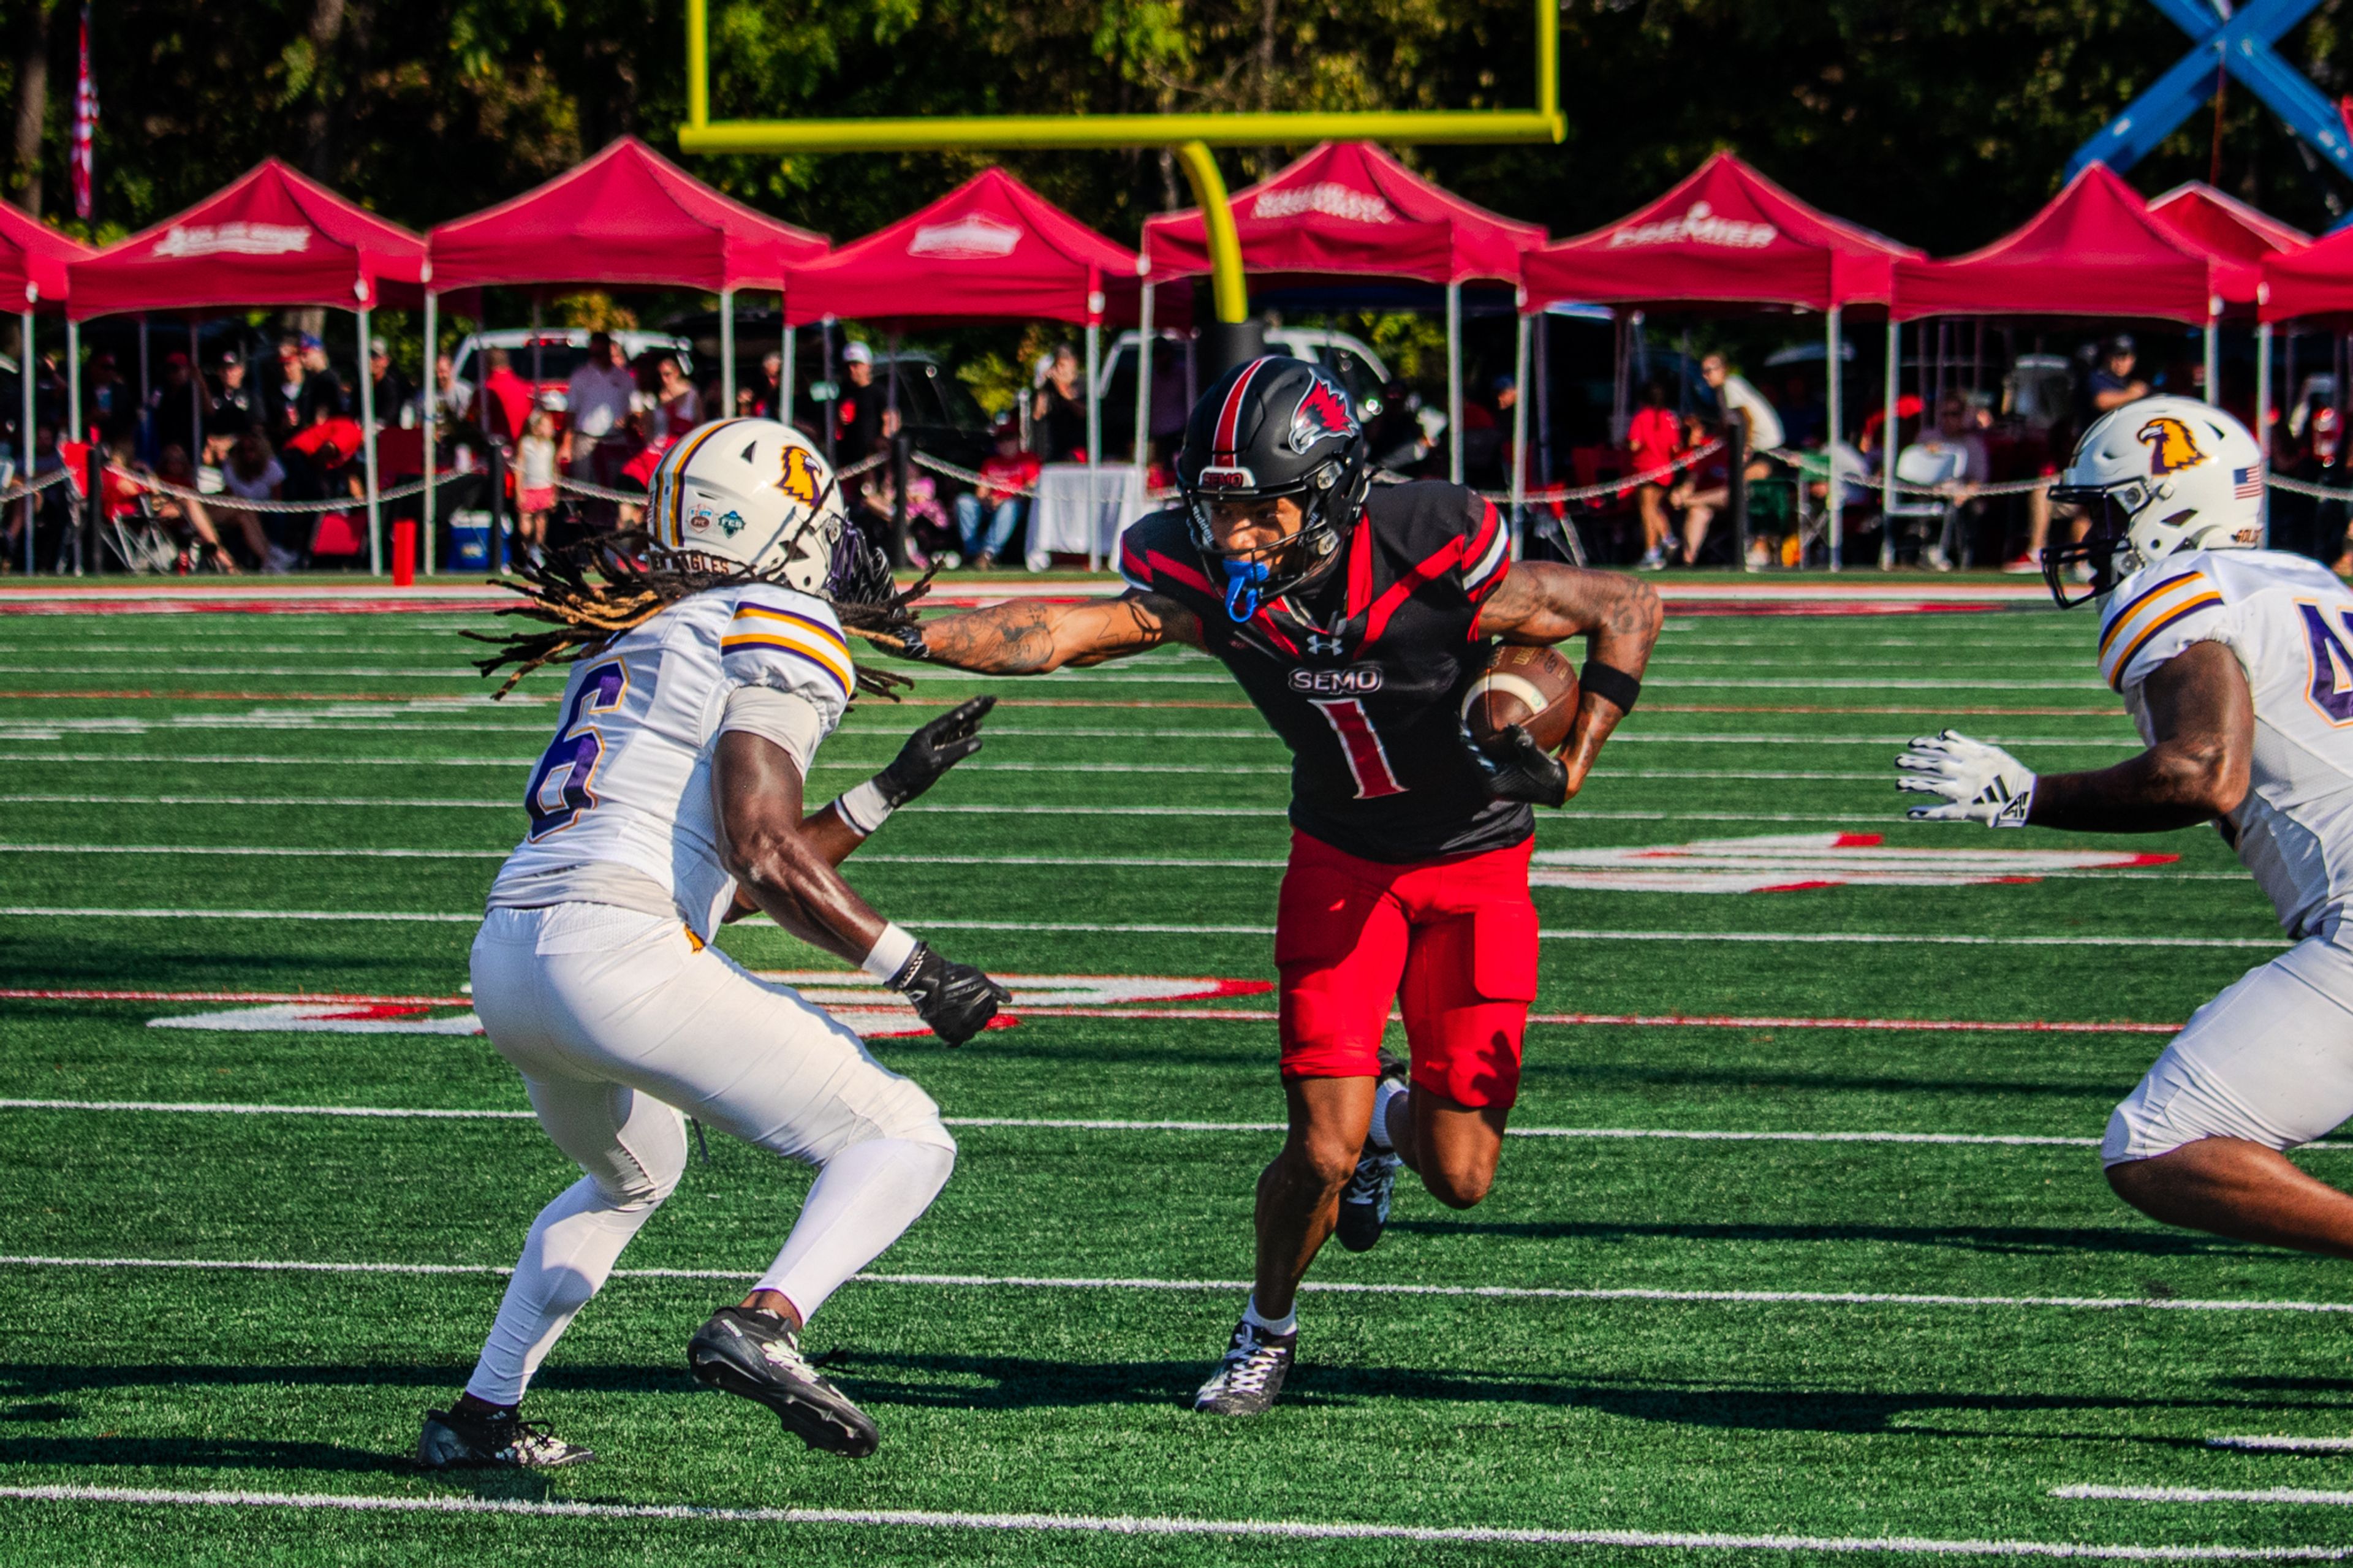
1369 760
559 789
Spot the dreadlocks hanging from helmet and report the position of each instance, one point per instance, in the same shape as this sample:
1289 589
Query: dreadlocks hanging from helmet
735 501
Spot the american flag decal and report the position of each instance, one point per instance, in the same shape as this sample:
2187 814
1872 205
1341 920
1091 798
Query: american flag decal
2247 484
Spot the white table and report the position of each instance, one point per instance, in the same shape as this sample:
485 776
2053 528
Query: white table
1081 508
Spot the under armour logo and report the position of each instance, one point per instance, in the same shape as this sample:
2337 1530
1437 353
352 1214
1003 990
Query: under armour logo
1319 643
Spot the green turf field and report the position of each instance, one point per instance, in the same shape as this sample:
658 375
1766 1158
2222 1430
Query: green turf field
1638 1342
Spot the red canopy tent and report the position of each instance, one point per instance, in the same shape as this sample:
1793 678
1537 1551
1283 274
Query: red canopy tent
2227 228
271 237
991 247
1350 208
1727 235
628 215
33 259
1723 234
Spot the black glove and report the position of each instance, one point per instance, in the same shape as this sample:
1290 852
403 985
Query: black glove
956 999
932 751
1519 769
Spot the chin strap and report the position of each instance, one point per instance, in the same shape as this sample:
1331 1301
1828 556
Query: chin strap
1244 581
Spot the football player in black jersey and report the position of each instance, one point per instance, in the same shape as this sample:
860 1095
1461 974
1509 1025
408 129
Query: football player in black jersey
1356 617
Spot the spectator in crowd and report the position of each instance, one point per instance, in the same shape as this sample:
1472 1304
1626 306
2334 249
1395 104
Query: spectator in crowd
534 481
1058 413
322 389
929 537
232 409
1653 437
1803 417
170 407
861 410
596 443
507 399
181 512
1003 478
2113 384
1706 485
389 387
454 398
678 407
252 472
284 400
769 403
1738 399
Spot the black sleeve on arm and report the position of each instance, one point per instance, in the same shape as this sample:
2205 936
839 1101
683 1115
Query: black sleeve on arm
1610 684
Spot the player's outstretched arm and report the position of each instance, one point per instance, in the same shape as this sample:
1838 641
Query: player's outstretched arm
756 788
1619 617
2198 767
1025 637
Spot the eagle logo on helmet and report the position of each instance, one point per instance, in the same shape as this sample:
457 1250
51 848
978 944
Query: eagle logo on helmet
2172 447
800 480
1323 412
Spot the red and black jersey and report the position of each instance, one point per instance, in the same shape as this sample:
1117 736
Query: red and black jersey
1364 674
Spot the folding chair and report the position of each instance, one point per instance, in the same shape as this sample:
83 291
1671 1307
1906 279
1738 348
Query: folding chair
1923 465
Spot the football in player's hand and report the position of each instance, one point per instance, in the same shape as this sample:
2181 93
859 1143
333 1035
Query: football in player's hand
1533 687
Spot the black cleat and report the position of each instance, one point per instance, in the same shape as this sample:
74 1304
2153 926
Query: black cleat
1365 1203
757 1356
1251 1374
459 1438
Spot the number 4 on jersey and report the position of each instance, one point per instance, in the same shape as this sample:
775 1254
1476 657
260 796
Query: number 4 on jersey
560 789
2332 663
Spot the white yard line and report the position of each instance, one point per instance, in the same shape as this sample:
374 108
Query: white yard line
1317 1287
1132 1525
2285 1445
63 912
448 803
2203 1494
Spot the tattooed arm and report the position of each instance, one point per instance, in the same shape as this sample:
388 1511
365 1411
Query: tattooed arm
1025 637
1617 615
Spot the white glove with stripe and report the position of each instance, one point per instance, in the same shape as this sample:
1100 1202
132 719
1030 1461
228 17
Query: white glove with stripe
1974 782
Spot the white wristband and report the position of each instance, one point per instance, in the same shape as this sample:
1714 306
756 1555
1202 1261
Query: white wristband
863 808
889 954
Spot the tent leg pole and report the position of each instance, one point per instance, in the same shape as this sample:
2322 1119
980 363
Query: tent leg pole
1144 382
727 353
1541 369
73 419
2214 355
2263 420
431 410
196 395
25 361
1887 442
1094 444
367 449
1520 432
831 413
785 379
1834 410
1454 382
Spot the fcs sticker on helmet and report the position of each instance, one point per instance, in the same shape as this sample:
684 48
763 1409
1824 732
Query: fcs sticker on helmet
800 481
1321 413
731 523
2172 446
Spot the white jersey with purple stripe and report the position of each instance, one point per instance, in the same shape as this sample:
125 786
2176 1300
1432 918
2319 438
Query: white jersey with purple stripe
2289 621
624 789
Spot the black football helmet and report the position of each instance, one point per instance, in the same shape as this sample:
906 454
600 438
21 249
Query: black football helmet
1273 427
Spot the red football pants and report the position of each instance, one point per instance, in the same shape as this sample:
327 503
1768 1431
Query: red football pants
1452 941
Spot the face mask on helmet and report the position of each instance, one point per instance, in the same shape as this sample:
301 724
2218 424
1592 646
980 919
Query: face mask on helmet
1284 563
2103 546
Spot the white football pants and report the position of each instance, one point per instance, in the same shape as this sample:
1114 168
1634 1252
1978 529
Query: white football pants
622 1025
2269 1060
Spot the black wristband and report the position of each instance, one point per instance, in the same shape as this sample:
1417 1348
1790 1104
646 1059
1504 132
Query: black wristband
1610 684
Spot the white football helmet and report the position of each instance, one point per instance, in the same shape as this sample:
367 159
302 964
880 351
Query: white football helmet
2160 475
756 495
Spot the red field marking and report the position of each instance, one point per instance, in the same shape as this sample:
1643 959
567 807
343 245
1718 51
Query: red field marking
1179 1010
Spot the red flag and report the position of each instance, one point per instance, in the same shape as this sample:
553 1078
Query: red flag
85 126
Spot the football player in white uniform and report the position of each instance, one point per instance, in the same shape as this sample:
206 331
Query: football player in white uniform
669 800
2236 663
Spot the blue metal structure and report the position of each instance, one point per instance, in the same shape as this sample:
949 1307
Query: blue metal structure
2237 41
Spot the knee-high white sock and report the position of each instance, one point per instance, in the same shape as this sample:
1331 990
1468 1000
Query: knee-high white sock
573 1246
864 1199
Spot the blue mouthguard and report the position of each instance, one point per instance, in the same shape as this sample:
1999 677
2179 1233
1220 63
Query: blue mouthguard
1244 580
